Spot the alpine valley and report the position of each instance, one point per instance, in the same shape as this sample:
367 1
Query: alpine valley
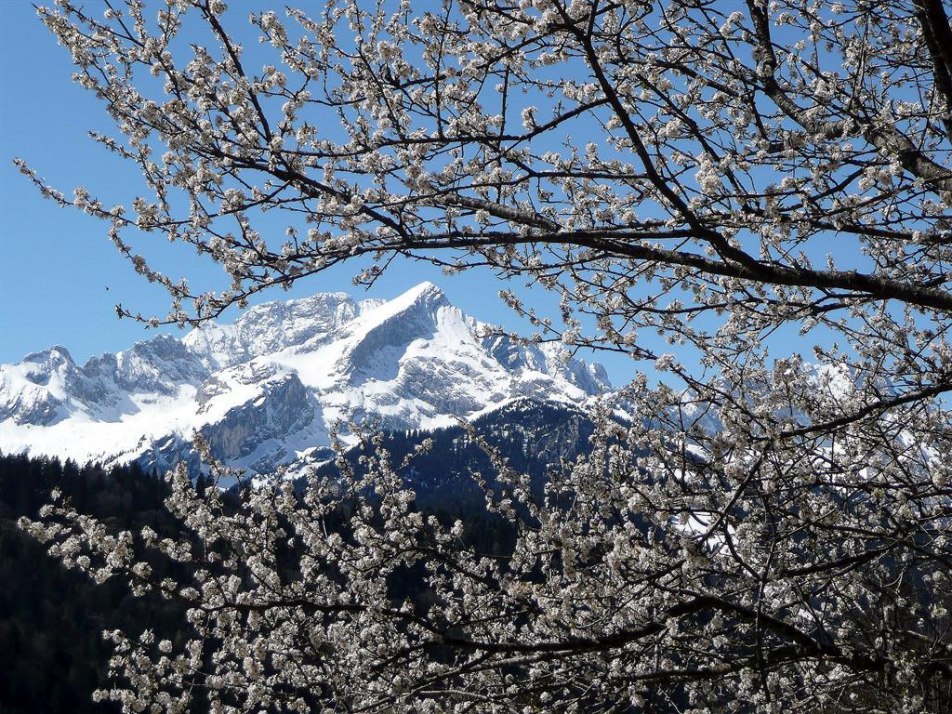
269 390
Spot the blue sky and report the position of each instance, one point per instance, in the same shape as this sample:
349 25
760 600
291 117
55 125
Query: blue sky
60 277
56 263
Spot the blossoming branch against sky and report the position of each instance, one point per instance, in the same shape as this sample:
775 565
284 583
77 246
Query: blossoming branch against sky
60 276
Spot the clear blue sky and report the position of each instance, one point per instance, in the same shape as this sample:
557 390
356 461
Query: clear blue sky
55 264
60 277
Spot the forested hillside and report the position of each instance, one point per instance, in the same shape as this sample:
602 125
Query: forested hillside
52 654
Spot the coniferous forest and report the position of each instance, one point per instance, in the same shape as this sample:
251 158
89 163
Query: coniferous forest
52 654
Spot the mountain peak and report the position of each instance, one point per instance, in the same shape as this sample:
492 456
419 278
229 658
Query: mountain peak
272 385
425 291
55 355
424 294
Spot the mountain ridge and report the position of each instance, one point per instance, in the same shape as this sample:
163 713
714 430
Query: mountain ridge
268 389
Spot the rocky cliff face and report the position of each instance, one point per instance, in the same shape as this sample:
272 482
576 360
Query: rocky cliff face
268 389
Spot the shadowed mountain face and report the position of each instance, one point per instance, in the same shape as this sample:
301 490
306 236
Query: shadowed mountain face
453 473
268 389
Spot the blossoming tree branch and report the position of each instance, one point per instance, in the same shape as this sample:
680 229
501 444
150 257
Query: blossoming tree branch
766 185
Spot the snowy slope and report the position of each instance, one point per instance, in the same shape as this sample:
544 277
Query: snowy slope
269 388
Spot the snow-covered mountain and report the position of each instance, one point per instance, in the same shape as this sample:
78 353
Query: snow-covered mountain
268 389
